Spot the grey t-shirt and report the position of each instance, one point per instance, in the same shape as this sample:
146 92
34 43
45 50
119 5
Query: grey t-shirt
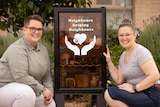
131 70
24 64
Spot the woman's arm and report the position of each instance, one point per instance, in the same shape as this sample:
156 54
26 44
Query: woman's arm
18 64
152 75
48 79
114 72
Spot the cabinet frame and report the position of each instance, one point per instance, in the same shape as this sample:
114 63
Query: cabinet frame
59 15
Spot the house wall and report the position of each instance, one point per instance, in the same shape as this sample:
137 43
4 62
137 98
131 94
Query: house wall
3 33
141 10
145 9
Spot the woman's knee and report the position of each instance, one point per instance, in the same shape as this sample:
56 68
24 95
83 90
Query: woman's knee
19 95
53 103
26 92
112 102
106 95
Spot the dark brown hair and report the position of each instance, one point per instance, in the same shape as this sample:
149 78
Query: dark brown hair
33 17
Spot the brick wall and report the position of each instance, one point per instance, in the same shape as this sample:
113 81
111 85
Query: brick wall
144 9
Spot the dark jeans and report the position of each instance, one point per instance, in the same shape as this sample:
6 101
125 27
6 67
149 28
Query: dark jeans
147 98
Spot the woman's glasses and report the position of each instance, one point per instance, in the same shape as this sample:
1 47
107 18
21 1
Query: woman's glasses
34 29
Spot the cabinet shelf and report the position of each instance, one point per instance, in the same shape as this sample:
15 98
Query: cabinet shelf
86 65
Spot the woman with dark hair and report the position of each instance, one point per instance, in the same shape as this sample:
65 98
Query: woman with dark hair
25 72
136 74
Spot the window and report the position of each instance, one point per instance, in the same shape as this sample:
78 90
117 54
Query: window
109 2
114 2
116 8
118 14
123 2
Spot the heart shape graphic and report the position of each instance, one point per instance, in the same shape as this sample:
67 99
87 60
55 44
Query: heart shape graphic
79 38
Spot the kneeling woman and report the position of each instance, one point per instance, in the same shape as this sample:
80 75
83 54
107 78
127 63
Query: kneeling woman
136 75
25 74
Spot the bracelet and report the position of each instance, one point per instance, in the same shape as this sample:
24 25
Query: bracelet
134 88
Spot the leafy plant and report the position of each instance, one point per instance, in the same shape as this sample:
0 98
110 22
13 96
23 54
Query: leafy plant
150 37
5 41
13 12
47 40
116 52
112 33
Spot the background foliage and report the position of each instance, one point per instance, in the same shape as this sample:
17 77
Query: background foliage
150 37
5 41
13 12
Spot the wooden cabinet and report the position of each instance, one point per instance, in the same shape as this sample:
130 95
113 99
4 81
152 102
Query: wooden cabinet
79 41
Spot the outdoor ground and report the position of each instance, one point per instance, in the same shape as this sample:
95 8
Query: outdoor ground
78 101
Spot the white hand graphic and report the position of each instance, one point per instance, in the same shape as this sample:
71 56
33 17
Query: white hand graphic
73 48
88 47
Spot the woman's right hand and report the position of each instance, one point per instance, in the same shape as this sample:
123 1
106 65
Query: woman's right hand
107 55
47 96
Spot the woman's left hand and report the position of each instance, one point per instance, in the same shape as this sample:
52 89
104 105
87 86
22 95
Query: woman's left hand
127 87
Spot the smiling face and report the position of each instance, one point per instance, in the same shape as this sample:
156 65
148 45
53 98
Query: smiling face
33 32
126 36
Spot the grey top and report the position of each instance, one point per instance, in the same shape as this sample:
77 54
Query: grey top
24 64
131 70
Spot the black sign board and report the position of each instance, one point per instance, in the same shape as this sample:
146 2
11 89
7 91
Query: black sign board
79 40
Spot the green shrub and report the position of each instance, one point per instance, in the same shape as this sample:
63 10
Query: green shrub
150 37
5 41
112 32
48 41
48 35
116 52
